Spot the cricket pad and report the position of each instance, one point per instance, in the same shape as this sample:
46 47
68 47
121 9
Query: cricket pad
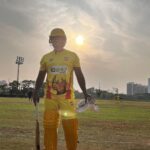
51 120
70 127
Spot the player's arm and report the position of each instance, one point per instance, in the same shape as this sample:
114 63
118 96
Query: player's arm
38 84
81 80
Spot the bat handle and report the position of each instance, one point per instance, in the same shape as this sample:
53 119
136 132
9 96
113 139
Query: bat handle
37 111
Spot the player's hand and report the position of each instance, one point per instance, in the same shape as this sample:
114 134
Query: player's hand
87 96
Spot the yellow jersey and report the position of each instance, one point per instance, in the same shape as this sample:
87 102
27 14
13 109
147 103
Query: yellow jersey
59 67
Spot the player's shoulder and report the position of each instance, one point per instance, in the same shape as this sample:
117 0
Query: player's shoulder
69 52
47 55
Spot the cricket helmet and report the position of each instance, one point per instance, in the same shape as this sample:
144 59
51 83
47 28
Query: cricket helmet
57 32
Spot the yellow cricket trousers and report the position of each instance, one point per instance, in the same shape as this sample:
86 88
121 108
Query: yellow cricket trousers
57 109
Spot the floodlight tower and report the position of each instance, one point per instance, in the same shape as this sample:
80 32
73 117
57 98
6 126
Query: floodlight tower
98 90
19 61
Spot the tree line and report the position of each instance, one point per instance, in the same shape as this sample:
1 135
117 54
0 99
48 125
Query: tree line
17 89
21 89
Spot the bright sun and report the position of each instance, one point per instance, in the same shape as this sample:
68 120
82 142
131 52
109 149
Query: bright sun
80 40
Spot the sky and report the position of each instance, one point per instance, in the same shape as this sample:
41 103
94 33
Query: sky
116 33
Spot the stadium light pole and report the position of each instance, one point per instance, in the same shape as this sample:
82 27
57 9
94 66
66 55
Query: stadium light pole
19 61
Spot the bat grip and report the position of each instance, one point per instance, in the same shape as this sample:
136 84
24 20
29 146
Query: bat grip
37 111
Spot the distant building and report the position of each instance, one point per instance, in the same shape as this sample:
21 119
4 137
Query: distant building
148 85
130 88
134 88
3 82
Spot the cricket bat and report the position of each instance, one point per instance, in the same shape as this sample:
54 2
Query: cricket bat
37 130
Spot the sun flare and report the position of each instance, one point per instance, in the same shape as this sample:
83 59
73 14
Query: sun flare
79 40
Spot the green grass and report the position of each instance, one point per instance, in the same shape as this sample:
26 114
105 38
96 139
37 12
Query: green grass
125 111
118 125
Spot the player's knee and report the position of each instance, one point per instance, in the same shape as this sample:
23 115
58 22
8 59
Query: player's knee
51 119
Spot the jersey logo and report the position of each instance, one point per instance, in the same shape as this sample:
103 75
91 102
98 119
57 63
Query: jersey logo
59 86
58 69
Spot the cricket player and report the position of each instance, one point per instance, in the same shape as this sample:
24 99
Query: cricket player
59 101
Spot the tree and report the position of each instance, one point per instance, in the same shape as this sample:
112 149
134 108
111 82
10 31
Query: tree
14 88
26 85
3 87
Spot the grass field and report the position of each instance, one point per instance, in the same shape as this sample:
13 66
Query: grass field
117 126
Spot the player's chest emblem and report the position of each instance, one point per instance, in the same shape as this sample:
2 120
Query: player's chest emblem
58 69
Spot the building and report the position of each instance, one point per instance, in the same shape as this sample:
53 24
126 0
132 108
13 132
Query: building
130 88
134 88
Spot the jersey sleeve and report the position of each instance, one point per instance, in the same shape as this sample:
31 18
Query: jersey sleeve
76 62
43 64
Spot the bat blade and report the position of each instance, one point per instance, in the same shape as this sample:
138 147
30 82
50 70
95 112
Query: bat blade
37 136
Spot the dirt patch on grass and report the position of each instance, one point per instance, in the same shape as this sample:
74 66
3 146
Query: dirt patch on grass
113 135
16 132
93 135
